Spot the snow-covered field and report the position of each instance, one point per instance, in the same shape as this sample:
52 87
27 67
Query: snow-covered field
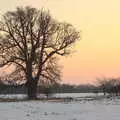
103 109
59 95
77 95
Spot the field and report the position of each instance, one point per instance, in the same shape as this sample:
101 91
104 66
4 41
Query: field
87 109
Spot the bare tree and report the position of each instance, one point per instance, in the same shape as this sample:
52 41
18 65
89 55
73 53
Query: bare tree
109 85
29 39
102 84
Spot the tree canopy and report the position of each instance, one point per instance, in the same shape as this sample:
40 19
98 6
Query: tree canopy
32 39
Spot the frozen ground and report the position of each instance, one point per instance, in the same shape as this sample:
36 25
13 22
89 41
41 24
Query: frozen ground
60 95
103 109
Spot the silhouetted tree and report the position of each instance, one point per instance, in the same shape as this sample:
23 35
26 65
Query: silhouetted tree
29 39
109 85
102 83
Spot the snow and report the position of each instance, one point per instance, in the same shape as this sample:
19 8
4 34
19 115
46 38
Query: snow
13 96
103 109
77 95
59 95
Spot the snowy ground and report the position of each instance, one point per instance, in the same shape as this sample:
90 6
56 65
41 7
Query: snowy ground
59 95
103 109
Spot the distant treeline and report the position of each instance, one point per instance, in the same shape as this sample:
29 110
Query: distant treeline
12 89
67 88
109 86
59 88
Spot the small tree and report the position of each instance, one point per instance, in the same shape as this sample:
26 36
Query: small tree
102 84
109 85
29 38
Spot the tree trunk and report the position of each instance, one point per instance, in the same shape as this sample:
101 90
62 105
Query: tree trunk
31 82
32 89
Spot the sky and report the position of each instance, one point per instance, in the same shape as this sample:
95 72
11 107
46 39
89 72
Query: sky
97 54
